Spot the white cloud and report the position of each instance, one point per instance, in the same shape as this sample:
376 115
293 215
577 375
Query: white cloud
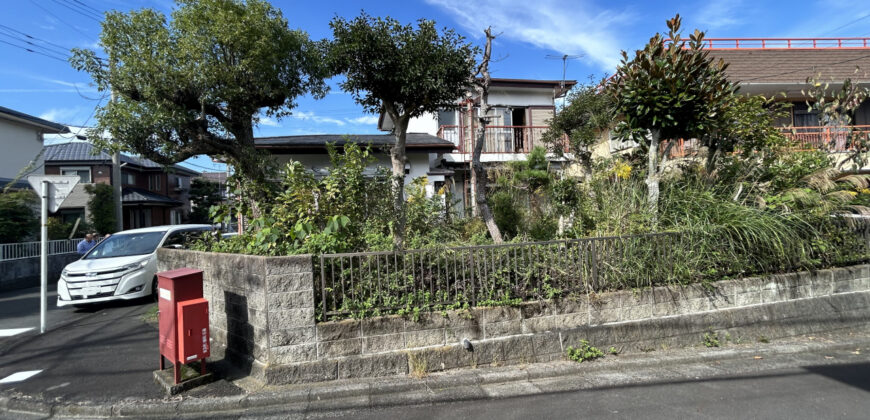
311 116
720 14
269 122
364 120
568 29
62 115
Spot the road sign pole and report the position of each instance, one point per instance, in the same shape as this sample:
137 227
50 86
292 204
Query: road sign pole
43 258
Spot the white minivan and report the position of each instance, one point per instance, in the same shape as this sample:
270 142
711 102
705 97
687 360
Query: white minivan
122 266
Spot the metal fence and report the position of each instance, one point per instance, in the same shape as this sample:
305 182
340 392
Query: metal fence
380 282
373 283
31 249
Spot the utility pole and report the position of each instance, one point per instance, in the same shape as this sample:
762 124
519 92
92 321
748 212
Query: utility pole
116 184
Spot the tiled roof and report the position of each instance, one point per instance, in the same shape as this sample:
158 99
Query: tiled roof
78 151
795 65
414 141
130 195
47 126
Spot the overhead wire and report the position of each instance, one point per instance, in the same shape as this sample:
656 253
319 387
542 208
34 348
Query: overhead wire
78 10
73 27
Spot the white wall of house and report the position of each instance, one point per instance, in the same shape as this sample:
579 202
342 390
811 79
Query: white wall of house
418 164
21 144
520 96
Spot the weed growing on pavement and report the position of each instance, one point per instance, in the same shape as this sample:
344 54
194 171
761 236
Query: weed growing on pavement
763 339
584 353
711 339
612 350
419 368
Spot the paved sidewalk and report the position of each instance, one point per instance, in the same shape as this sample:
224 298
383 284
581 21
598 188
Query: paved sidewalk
100 366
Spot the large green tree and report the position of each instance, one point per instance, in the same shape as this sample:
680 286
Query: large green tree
668 91
198 83
102 208
19 218
402 71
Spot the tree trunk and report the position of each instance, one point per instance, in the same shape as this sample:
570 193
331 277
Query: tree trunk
397 158
473 181
653 175
477 169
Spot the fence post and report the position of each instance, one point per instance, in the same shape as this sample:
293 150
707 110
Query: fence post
473 285
322 288
593 253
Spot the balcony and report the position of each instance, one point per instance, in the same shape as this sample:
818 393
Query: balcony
498 138
830 138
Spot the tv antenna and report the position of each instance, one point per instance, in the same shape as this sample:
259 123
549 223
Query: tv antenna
564 58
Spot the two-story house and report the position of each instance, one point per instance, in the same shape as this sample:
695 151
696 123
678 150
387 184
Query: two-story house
152 195
521 114
21 139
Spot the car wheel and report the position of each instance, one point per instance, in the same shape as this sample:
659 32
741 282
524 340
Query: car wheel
154 289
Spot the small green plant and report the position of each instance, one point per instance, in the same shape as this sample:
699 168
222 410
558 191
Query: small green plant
711 339
613 350
763 339
584 352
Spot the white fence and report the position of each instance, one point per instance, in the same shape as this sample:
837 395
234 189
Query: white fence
31 249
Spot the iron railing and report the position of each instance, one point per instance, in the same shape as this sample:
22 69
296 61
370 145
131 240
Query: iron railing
382 282
783 43
497 138
373 283
15 251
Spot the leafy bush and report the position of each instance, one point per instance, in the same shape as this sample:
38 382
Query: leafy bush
19 216
102 208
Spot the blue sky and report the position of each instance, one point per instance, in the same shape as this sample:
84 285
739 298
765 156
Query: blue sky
528 32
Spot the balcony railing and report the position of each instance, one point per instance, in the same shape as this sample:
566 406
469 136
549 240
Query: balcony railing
831 138
783 43
497 138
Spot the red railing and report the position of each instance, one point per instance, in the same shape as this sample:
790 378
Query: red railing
783 43
498 138
831 138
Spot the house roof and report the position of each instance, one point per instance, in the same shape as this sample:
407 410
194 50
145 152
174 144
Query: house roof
318 142
17 185
20 117
794 66
131 195
78 151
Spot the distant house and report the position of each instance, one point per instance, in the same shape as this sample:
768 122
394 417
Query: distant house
425 153
21 140
152 195
522 111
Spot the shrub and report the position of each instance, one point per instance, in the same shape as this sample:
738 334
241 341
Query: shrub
584 353
102 208
19 217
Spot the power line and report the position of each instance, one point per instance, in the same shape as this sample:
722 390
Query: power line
78 10
31 37
847 24
33 51
88 6
73 27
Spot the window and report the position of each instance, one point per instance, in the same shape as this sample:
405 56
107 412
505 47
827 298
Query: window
71 214
179 183
154 182
447 117
128 178
83 172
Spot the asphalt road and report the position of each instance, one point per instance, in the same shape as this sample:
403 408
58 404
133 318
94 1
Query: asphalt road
815 392
95 353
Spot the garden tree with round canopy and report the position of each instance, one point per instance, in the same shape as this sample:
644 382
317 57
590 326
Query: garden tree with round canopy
666 92
199 83
404 72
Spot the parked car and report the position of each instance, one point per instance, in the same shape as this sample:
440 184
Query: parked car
122 266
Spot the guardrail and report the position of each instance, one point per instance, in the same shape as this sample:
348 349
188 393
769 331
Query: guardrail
497 138
21 250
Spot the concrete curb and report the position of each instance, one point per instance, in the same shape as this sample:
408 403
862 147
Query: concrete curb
464 385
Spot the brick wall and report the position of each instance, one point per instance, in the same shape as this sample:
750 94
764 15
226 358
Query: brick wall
263 312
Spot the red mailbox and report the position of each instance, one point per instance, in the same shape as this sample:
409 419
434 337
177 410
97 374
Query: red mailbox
184 330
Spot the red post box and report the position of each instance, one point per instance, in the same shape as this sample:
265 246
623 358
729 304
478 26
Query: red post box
184 331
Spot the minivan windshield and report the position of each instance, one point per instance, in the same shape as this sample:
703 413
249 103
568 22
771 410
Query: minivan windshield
126 244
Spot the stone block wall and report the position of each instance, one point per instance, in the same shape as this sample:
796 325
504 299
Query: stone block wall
24 272
261 309
263 312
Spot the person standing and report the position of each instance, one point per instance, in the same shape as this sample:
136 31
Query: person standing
86 244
